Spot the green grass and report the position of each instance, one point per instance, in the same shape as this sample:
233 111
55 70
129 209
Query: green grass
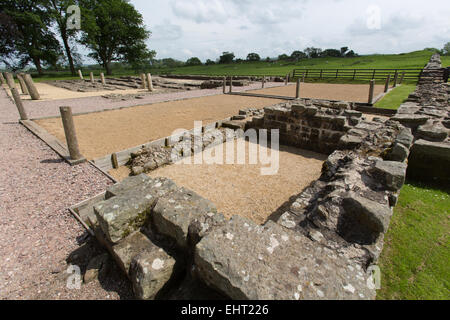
416 256
417 59
396 97
445 61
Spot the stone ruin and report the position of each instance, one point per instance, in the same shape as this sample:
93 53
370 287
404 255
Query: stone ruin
167 239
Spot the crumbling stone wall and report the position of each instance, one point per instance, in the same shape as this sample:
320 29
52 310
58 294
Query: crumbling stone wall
427 113
167 238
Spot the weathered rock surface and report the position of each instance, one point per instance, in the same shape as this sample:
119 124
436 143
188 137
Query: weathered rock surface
173 215
150 271
391 173
246 261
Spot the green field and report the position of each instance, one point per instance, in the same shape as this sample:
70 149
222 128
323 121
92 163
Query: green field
417 59
396 97
416 256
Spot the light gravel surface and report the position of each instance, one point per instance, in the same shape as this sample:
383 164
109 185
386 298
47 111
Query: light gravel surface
37 232
38 109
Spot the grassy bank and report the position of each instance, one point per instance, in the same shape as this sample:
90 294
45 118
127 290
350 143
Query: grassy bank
416 59
416 254
396 97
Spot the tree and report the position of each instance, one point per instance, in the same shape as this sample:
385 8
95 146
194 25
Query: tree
344 51
446 50
226 57
209 62
313 52
27 22
193 62
114 31
253 57
331 53
283 57
298 55
57 10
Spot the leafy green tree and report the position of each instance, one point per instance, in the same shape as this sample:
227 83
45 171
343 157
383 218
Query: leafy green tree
283 57
331 53
28 24
226 57
253 57
57 11
194 61
298 55
313 52
209 62
114 31
446 50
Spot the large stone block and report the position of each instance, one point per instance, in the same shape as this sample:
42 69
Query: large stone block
150 271
362 212
247 261
126 185
173 214
391 173
121 215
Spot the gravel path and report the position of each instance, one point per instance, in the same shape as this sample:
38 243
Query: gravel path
38 109
37 232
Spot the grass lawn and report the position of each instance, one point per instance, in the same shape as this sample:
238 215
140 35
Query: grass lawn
396 97
445 61
417 59
416 256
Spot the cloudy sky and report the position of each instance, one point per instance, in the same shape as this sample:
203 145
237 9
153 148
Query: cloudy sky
205 28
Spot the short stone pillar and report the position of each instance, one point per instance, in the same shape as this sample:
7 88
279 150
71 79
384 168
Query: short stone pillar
10 80
149 82
231 84
371 91
395 79
297 91
263 83
286 80
80 74
2 79
23 86
102 78
143 82
91 77
69 130
224 85
386 85
31 87
19 104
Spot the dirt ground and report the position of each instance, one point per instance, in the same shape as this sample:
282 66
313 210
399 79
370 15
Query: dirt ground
103 133
241 189
49 92
344 92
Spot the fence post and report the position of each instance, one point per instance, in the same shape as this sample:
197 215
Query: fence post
373 75
395 78
371 91
297 92
31 87
263 82
337 73
402 77
10 80
91 76
354 74
231 84
19 104
102 78
23 86
224 85
2 79
114 161
69 130
386 86
149 82
321 73
303 77
286 80
80 74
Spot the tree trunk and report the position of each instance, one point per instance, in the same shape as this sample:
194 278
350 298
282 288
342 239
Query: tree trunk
108 68
37 63
68 52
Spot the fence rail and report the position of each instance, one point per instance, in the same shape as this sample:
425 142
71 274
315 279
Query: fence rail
358 74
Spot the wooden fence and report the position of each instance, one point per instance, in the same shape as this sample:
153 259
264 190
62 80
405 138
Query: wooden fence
358 74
